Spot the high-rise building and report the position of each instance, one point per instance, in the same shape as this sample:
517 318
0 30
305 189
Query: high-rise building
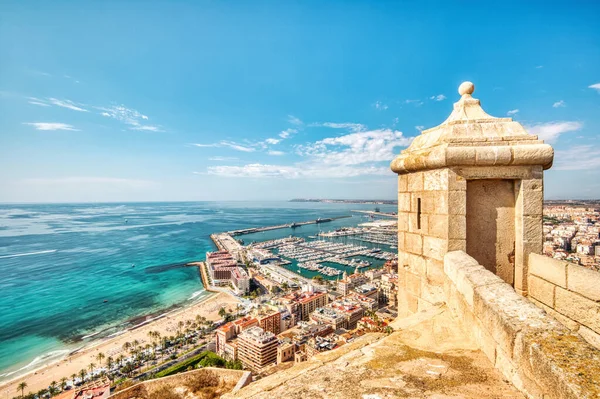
257 349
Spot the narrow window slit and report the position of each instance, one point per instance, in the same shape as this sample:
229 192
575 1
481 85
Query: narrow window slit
419 213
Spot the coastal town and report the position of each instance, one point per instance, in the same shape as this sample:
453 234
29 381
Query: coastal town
270 304
278 302
572 232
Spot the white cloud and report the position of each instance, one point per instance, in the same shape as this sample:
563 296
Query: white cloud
559 104
417 103
420 128
439 97
353 127
148 128
355 154
583 157
47 102
257 170
512 112
128 116
38 103
293 120
66 104
237 147
217 158
356 148
380 106
84 180
539 67
595 86
550 131
51 126
284 134
229 144
272 141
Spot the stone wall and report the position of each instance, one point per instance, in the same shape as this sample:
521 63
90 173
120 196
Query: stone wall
540 356
238 377
431 221
569 292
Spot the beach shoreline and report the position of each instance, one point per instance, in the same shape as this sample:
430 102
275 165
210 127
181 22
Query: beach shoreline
80 358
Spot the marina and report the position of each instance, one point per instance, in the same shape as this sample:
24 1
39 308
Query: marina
310 252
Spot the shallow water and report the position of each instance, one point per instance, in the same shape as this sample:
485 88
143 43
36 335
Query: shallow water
60 262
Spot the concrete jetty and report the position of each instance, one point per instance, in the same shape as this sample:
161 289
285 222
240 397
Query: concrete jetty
284 226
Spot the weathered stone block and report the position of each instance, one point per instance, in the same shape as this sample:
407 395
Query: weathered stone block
562 363
583 281
541 290
457 202
468 279
456 181
402 183
439 200
457 227
457 245
402 222
532 202
504 313
415 182
435 272
413 284
456 260
532 185
418 226
549 269
592 337
429 202
435 180
438 226
564 320
484 340
403 202
413 243
434 248
417 264
493 155
578 308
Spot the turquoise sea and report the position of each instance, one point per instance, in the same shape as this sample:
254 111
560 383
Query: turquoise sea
59 263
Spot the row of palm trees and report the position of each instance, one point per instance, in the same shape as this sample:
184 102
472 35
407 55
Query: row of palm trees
138 355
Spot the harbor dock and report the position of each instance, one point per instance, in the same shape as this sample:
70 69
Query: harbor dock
284 226
382 214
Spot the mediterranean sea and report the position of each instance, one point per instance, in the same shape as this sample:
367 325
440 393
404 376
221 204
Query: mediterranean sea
74 273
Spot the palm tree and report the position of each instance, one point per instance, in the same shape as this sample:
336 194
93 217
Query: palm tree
53 390
120 359
100 356
127 346
73 376
91 367
82 374
21 387
63 383
109 362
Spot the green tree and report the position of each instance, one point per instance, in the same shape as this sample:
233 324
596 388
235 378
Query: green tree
100 357
222 312
63 383
21 387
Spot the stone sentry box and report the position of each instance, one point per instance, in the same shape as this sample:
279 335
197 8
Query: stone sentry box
473 183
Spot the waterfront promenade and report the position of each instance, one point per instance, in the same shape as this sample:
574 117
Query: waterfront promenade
166 325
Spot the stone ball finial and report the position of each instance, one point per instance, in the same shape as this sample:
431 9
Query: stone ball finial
466 88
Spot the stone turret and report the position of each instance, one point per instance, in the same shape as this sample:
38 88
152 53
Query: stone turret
473 183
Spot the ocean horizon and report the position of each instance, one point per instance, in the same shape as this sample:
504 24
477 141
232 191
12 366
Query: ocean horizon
73 273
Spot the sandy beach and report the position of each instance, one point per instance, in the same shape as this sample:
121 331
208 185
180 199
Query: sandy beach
43 376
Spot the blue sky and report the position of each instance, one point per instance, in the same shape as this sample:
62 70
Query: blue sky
225 100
